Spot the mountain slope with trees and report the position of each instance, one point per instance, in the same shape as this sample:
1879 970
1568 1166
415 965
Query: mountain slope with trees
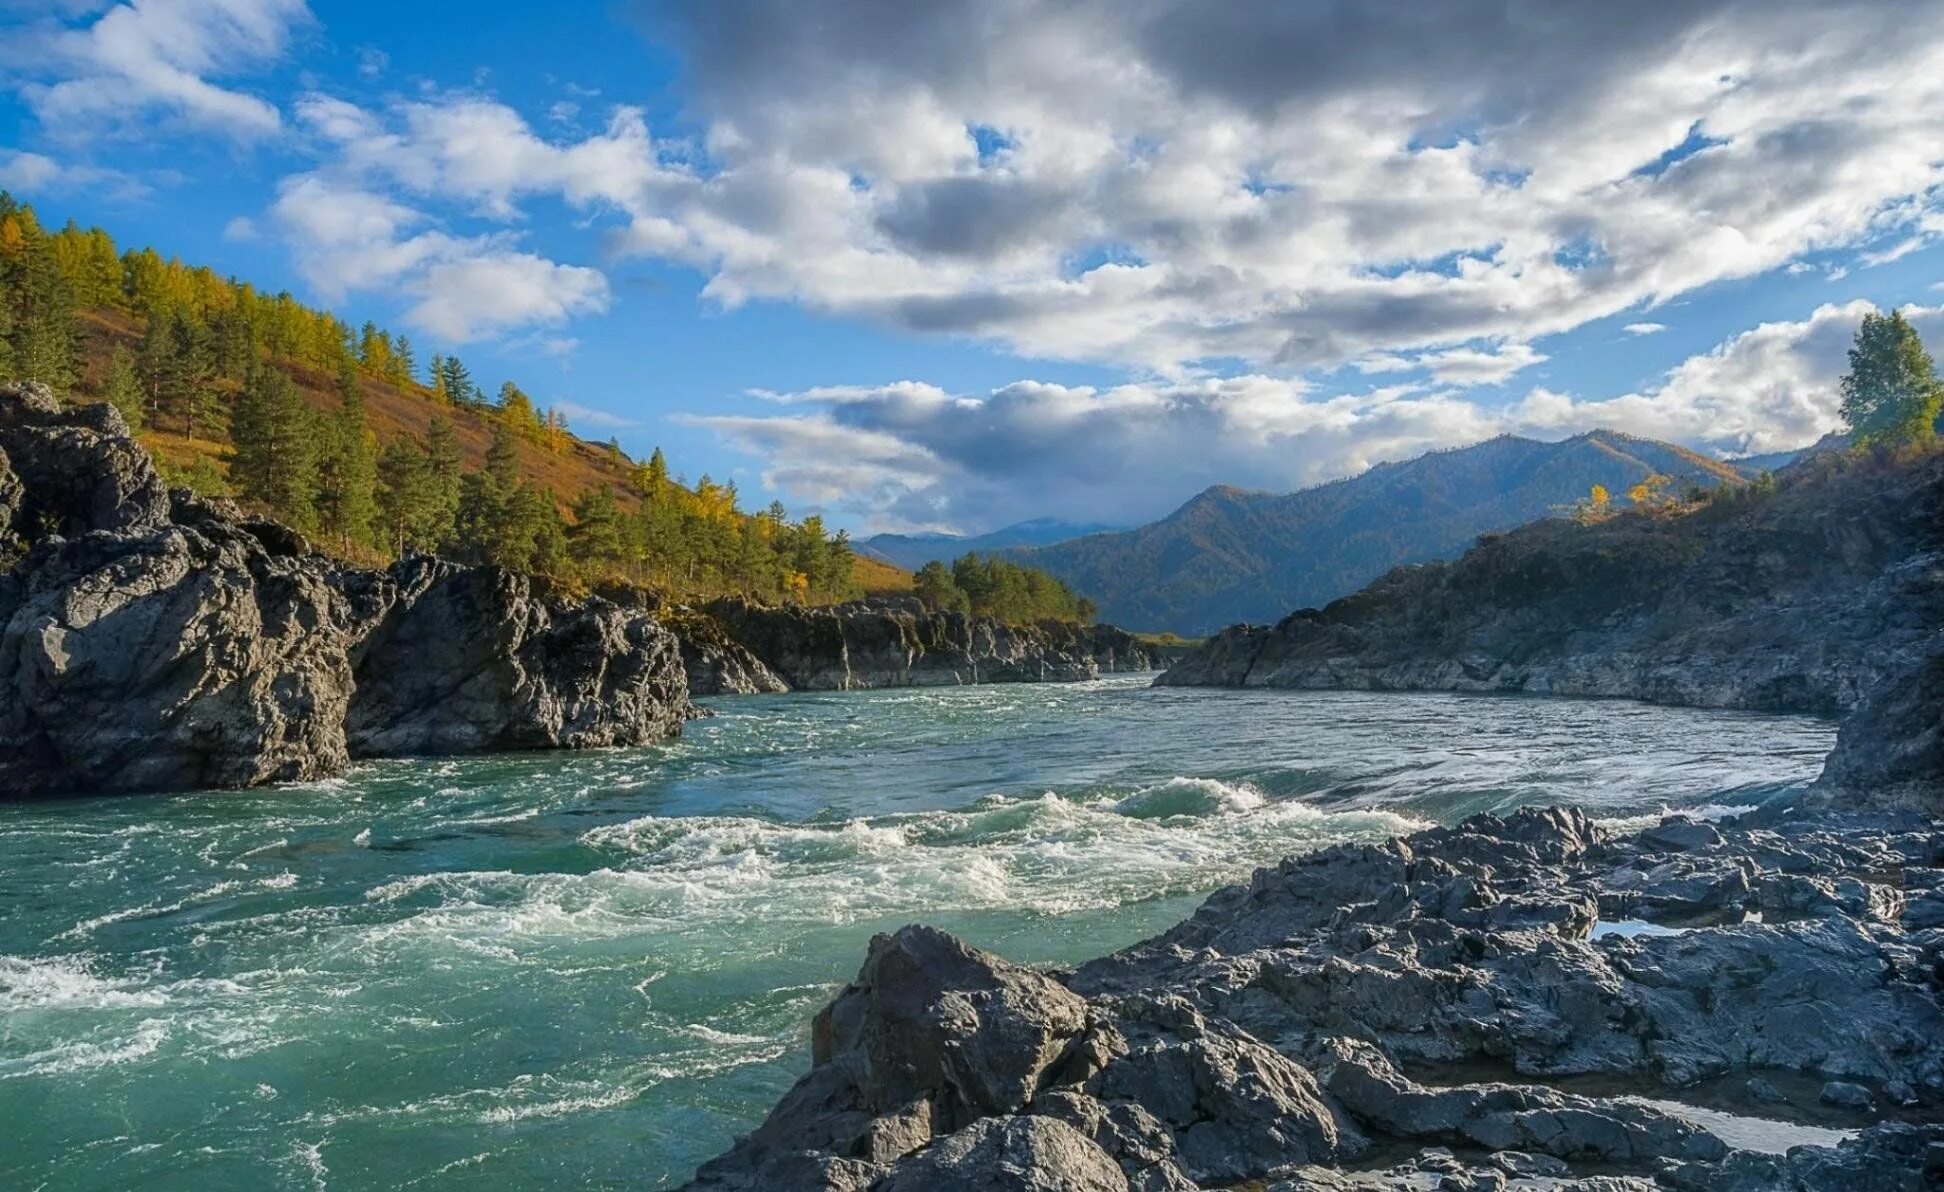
347 436
1233 555
912 551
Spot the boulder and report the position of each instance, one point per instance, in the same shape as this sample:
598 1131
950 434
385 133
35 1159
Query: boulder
174 660
1009 1154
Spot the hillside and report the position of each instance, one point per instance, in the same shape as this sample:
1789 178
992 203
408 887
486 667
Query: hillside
912 551
1231 555
1802 596
344 435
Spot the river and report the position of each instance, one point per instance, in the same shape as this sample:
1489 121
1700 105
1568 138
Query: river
561 970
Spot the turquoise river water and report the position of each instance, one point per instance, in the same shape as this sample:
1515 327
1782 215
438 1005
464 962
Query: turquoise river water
563 971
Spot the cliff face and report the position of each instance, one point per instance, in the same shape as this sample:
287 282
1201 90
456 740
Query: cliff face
152 641
1801 601
890 643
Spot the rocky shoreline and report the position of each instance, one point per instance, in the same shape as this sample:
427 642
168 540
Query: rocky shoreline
1527 1002
735 647
1801 600
154 641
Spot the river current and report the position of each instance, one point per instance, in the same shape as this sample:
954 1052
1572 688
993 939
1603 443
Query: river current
596 969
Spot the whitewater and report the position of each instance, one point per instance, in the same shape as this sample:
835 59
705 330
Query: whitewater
546 970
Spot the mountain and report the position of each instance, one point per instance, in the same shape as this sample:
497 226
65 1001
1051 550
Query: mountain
1233 555
911 551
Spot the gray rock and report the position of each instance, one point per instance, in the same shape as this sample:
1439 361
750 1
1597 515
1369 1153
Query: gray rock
154 641
1845 1095
1009 1154
174 660
898 643
472 659
75 470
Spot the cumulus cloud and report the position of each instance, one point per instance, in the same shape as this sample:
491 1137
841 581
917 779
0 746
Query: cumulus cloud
147 59
1289 186
37 173
913 456
348 239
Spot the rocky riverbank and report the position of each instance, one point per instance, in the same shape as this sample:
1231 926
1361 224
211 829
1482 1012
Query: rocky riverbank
153 641
1527 1002
735 647
1800 600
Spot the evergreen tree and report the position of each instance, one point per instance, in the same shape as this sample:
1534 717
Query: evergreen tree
445 468
6 343
276 460
123 388
1891 393
457 382
40 303
348 468
409 511
404 363
597 540
934 585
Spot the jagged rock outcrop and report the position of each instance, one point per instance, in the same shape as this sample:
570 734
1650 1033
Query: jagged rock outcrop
473 659
899 643
718 664
1803 600
1443 991
152 641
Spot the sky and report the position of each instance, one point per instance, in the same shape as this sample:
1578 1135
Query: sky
954 265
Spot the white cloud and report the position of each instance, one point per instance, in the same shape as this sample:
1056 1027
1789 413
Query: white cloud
348 239
466 297
240 230
37 173
581 416
910 455
155 59
1169 183
1644 328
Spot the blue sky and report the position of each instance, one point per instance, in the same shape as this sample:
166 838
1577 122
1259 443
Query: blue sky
975 262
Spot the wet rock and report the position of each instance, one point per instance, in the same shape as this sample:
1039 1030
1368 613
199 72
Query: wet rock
1844 1095
1763 1089
717 664
1422 992
1891 752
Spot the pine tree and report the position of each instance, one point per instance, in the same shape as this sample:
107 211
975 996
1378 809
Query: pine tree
934 585
404 363
276 460
348 467
597 541
516 410
459 387
189 369
409 511
440 393
41 305
1891 393
445 467
123 388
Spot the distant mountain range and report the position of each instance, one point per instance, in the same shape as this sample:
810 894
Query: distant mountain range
1231 555
912 551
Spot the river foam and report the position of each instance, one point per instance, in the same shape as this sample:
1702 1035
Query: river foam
530 970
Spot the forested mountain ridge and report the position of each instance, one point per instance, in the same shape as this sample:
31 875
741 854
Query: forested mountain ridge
344 435
912 551
1231 555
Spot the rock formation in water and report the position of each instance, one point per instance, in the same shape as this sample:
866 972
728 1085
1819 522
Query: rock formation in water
734 646
153 641
1450 1000
1799 601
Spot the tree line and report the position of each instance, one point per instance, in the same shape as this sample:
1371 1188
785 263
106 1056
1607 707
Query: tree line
992 587
213 368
